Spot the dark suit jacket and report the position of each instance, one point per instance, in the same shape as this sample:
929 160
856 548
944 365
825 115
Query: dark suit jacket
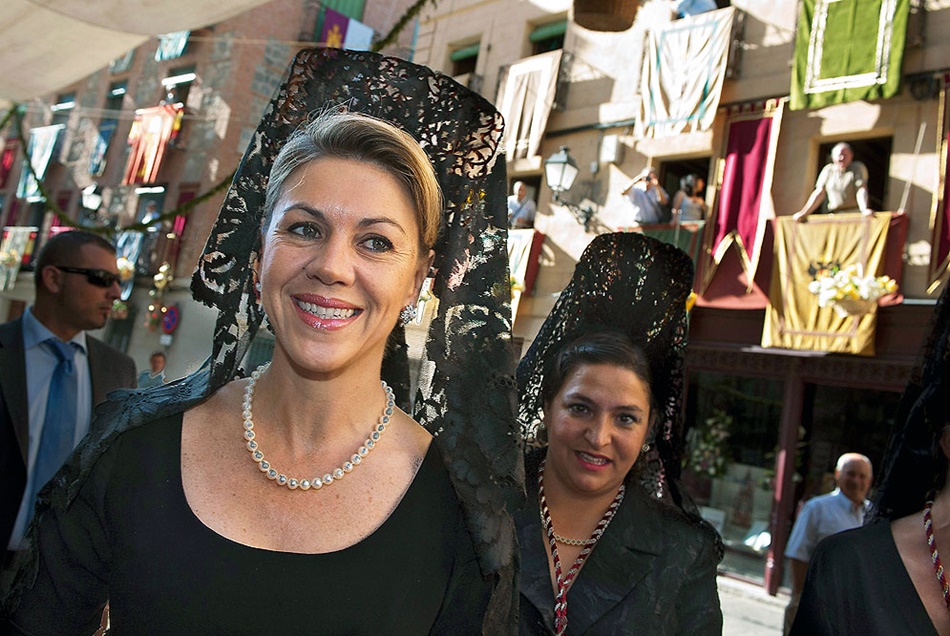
653 571
109 369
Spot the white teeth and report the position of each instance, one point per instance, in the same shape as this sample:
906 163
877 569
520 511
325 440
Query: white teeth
590 459
325 313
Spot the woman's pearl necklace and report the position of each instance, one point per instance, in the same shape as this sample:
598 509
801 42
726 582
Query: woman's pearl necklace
317 482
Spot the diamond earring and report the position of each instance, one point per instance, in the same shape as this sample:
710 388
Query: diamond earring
407 314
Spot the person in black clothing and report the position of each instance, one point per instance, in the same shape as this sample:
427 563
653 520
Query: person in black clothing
213 504
606 520
887 577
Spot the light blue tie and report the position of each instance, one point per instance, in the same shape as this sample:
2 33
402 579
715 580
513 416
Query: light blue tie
59 426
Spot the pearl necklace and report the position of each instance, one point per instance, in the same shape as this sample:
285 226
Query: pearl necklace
317 482
934 555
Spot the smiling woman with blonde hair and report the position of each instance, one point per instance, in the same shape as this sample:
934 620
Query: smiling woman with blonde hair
294 500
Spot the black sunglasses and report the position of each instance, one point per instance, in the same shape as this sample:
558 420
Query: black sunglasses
97 277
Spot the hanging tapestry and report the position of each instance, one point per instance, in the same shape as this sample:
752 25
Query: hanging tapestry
683 71
128 246
940 223
16 247
744 205
10 148
847 50
97 163
525 99
41 148
524 248
803 253
171 45
688 236
151 131
342 32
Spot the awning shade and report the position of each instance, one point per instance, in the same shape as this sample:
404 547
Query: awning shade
48 44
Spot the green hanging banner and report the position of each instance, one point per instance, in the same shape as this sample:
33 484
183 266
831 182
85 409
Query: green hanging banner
848 50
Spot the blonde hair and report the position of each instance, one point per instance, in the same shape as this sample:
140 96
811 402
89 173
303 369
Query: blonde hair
348 135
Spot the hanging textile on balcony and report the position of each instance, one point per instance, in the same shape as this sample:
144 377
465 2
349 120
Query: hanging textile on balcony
524 249
97 162
525 100
940 223
744 207
10 148
171 45
342 32
16 247
151 131
803 251
683 71
40 149
687 235
128 246
847 50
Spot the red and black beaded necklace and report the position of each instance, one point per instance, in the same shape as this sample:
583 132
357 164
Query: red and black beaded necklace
564 581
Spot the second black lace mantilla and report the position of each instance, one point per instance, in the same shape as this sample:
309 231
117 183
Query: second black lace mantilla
638 285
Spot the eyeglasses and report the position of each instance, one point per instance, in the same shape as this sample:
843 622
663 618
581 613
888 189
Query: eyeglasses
97 277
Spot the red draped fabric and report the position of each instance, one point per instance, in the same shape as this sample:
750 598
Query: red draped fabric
943 228
152 130
10 148
744 206
743 182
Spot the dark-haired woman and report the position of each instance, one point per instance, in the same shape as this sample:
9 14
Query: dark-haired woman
890 577
691 206
609 544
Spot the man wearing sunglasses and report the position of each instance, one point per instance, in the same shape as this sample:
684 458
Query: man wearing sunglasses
52 373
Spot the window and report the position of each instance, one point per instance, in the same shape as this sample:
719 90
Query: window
114 99
464 59
65 103
548 37
672 171
178 84
729 466
875 154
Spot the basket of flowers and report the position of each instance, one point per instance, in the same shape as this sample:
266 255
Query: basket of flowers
848 291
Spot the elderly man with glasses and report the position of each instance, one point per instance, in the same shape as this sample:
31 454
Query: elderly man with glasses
52 373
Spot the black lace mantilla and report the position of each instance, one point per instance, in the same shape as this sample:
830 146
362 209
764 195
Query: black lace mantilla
466 394
913 466
638 285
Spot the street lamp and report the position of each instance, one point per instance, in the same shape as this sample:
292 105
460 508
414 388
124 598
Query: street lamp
560 171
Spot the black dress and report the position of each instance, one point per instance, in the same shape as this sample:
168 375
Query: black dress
130 537
857 584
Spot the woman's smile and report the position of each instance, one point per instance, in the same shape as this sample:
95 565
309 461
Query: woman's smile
340 259
325 313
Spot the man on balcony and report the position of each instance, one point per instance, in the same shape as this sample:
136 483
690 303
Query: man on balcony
521 208
649 200
843 182
52 373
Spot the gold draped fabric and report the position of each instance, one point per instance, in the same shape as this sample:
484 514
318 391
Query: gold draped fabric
793 319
